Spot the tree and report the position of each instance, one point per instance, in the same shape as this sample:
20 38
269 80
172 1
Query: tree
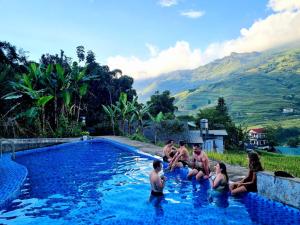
162 103
80 53
156 122
272 135
221 106
140 112
293 142
90 57
218 118
112 112
27 87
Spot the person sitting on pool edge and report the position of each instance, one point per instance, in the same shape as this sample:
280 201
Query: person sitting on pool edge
220 182
200 163
169 151
157 182
248 184
181 158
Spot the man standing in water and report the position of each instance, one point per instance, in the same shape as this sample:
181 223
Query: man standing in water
157 182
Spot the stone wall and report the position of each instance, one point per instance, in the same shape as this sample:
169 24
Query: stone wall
285 190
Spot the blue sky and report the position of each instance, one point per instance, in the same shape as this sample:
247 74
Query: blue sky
119 31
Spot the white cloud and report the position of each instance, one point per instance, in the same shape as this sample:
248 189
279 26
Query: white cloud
153 50
167 3
279 28
275 30
284 5
192 14
181 56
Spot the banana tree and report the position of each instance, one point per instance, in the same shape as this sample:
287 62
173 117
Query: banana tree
112 111
80 87
156 121
27 86
140 113
131 116
124 109
65 91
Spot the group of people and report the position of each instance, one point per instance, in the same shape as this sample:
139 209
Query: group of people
199 166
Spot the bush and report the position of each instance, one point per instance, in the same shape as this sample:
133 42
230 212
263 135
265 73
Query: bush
68 128
293 142
139 137
85 133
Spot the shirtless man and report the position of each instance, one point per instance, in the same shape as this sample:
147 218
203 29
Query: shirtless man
200 163
181 158
169 151
157 182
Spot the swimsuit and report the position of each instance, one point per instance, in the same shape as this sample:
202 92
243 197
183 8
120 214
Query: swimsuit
165 159
250 187
157 193
184 163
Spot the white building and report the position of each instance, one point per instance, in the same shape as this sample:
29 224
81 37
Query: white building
213 140
257 137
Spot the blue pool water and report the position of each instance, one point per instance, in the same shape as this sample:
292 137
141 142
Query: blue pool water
288 150
98 183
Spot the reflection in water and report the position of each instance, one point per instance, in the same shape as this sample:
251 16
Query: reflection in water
200 190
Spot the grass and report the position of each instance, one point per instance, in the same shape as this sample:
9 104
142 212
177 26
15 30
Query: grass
270 161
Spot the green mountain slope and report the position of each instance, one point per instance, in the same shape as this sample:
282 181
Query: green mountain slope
256 86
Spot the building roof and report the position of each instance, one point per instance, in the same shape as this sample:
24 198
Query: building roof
192 124
194 137
218 132
258 130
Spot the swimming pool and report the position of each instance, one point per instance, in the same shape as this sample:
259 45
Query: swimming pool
288 150
97 182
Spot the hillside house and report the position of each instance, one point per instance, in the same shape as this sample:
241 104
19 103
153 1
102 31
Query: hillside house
287 110
257 137
210 140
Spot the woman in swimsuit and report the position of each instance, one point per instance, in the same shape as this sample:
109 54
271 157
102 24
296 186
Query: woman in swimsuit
220 182
248 184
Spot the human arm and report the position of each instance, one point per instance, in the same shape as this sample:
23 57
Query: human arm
242 181
160 182
165 152
250 180
206 167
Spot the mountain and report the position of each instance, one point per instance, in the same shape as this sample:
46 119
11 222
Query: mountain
256 86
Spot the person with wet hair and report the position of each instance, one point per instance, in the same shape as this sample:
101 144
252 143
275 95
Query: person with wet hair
248 184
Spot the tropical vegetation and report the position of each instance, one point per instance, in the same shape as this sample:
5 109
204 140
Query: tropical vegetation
51 97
